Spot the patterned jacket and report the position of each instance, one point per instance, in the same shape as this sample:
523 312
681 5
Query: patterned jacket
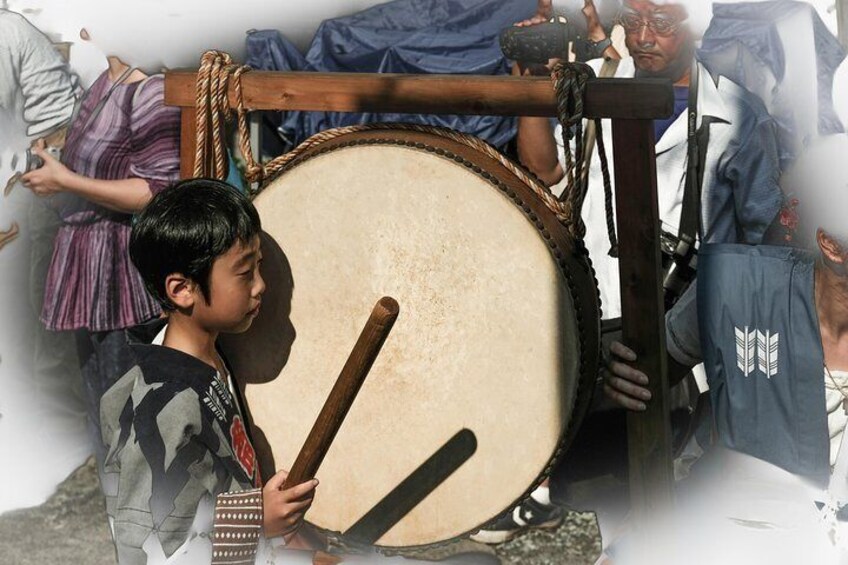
178 455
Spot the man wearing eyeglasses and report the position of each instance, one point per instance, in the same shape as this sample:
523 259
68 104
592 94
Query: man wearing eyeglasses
740 199
740 192
658 41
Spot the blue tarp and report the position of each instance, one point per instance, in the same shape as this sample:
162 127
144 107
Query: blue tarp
404 36
745 44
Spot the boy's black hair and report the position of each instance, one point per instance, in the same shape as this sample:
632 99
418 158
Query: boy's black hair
185 228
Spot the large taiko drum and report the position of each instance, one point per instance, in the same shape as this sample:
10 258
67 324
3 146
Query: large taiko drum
490 364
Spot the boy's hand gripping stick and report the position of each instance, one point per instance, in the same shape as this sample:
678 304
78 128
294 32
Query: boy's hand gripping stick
344 392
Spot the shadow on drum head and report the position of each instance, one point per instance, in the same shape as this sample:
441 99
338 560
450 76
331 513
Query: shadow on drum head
258 355
413 489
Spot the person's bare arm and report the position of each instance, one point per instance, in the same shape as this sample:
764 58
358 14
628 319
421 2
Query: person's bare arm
544 12
126 195
537 148
595 31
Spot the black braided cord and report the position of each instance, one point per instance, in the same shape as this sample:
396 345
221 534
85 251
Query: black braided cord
602 153
570 85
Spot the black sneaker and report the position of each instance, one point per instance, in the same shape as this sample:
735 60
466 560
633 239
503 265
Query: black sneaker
528 515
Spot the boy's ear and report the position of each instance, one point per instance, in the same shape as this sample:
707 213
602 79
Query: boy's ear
180 290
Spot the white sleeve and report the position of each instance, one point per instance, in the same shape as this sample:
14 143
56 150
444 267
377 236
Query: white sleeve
49 89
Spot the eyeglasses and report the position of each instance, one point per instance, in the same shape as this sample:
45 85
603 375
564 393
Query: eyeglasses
659 25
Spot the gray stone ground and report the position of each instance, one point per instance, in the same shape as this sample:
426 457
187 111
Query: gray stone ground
71 528
576 542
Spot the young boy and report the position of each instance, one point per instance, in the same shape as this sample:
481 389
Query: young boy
182 482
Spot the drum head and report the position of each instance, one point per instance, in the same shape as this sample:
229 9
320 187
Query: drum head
489 364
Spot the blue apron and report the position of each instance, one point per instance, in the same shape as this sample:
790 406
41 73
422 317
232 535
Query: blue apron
763 355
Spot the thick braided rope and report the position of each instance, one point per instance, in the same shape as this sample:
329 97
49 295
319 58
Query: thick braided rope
202 107
253 171
213 110
560 209
210 108
218 98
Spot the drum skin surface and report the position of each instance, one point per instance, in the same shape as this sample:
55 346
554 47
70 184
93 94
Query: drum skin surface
497 332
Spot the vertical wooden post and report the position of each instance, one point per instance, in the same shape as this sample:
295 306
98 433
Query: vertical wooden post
643 319
188 141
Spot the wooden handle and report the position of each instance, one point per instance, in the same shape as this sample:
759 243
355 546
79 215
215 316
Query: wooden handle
344 391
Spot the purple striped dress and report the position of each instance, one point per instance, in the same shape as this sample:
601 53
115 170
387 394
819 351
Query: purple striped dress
92 283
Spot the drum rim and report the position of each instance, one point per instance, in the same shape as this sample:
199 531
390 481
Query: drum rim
565 250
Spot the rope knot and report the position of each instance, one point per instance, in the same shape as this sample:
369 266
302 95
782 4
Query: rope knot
216 71
570 81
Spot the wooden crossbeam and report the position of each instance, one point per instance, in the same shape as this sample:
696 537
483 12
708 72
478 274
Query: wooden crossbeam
431 94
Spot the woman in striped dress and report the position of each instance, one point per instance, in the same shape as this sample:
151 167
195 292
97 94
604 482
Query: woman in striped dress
122 148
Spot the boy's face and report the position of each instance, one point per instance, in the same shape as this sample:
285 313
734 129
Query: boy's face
235 290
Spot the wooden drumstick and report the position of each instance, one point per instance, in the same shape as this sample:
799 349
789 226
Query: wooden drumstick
344 392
